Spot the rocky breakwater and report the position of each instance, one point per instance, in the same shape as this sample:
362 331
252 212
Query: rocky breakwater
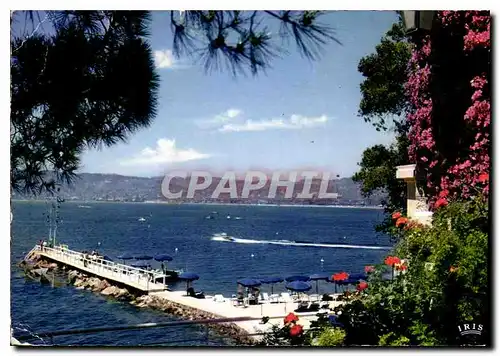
188 313
83 281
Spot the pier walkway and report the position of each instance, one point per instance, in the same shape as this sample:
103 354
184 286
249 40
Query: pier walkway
226 308
142 280
136 278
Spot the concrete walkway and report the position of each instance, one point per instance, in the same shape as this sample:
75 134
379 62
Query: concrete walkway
227 309
137 278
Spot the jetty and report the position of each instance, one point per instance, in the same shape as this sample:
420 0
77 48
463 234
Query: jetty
157 295
136 278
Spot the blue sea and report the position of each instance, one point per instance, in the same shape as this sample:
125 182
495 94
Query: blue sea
268 241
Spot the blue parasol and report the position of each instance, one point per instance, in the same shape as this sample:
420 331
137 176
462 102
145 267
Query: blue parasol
348 281
271 281
188 276
298 286
125 256
319 277
162 258
297 278
358 276
143 257
249 282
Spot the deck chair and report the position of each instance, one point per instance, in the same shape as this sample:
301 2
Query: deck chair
286 298
265 298
274 298
219 298
314 297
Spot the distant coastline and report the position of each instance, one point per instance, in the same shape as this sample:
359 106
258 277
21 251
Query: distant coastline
209 204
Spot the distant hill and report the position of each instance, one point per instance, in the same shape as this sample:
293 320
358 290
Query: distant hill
114 187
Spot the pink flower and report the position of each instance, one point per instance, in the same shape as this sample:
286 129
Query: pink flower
369 269
362 286
447 178
296 330
401 221
444 193
484 177
396 215
440 202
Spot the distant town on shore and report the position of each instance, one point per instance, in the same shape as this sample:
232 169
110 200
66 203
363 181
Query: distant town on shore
95 187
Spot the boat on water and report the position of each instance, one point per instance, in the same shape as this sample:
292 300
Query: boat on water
226 237
228 217
141 219
209 217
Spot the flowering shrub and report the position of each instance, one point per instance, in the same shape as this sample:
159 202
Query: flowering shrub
455 173
296 330
291 318
369 269
321 333
392 260
362 286
424 305
401 221
396 215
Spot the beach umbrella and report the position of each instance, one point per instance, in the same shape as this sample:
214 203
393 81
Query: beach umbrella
348 282
143 257
358 276
249 282
188 277
163 258
298 286
319 277
140 264
125 256
297 278
271 281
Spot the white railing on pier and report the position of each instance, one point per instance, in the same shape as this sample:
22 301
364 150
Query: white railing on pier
135 277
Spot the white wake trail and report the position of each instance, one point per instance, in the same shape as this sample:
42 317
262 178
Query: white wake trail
225 238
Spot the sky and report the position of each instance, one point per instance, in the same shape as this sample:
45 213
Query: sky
299 114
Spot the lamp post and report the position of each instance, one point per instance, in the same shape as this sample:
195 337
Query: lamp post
418 22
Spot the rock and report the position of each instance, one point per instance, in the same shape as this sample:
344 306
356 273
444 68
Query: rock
41 264
80 287
93 282
123 294
101 286
80 283
109 290
72 276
